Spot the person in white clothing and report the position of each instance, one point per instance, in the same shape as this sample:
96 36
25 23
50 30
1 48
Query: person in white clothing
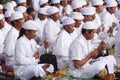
111 23
67 9
52 27
82 53
11 38
63 42
26 57
78 17
7 16
41 20
4 29
117 50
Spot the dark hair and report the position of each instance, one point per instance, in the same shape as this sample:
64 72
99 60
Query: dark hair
89 30
22 32
29 9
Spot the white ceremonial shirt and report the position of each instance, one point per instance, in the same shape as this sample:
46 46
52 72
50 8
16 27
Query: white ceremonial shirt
51 31
10 43
24 52
80 49
41 24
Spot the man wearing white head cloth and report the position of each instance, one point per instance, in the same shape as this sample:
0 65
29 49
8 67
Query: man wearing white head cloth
57 4
43 3
27 56
21 3
52 27
9 6
63 42
82 55
78 17
11 38
110 22
7 16
42 20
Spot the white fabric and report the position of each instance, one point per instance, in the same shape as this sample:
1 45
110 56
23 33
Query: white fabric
89 25
97 20
83 2
68 9
1 42
68 21
108 19
77 15
6 29
14 3
43 10
9 6
97 2
21 9
3 33
111 4
41 2
80 48
76 4
1 7
9 48
117 43
51 30
88 10
78 29
35 4
30 25
117 15
62 46
21 1
26 66
1 16
50 69
16 15
117 50
52 10
55 1
41 24
8 13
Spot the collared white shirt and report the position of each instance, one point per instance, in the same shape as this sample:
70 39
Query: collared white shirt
24 52
10 43
41 24
51 31
63 42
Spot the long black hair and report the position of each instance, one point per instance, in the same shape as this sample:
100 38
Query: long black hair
22 32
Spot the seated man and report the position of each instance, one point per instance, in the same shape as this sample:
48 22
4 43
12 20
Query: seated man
27 56
81 54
